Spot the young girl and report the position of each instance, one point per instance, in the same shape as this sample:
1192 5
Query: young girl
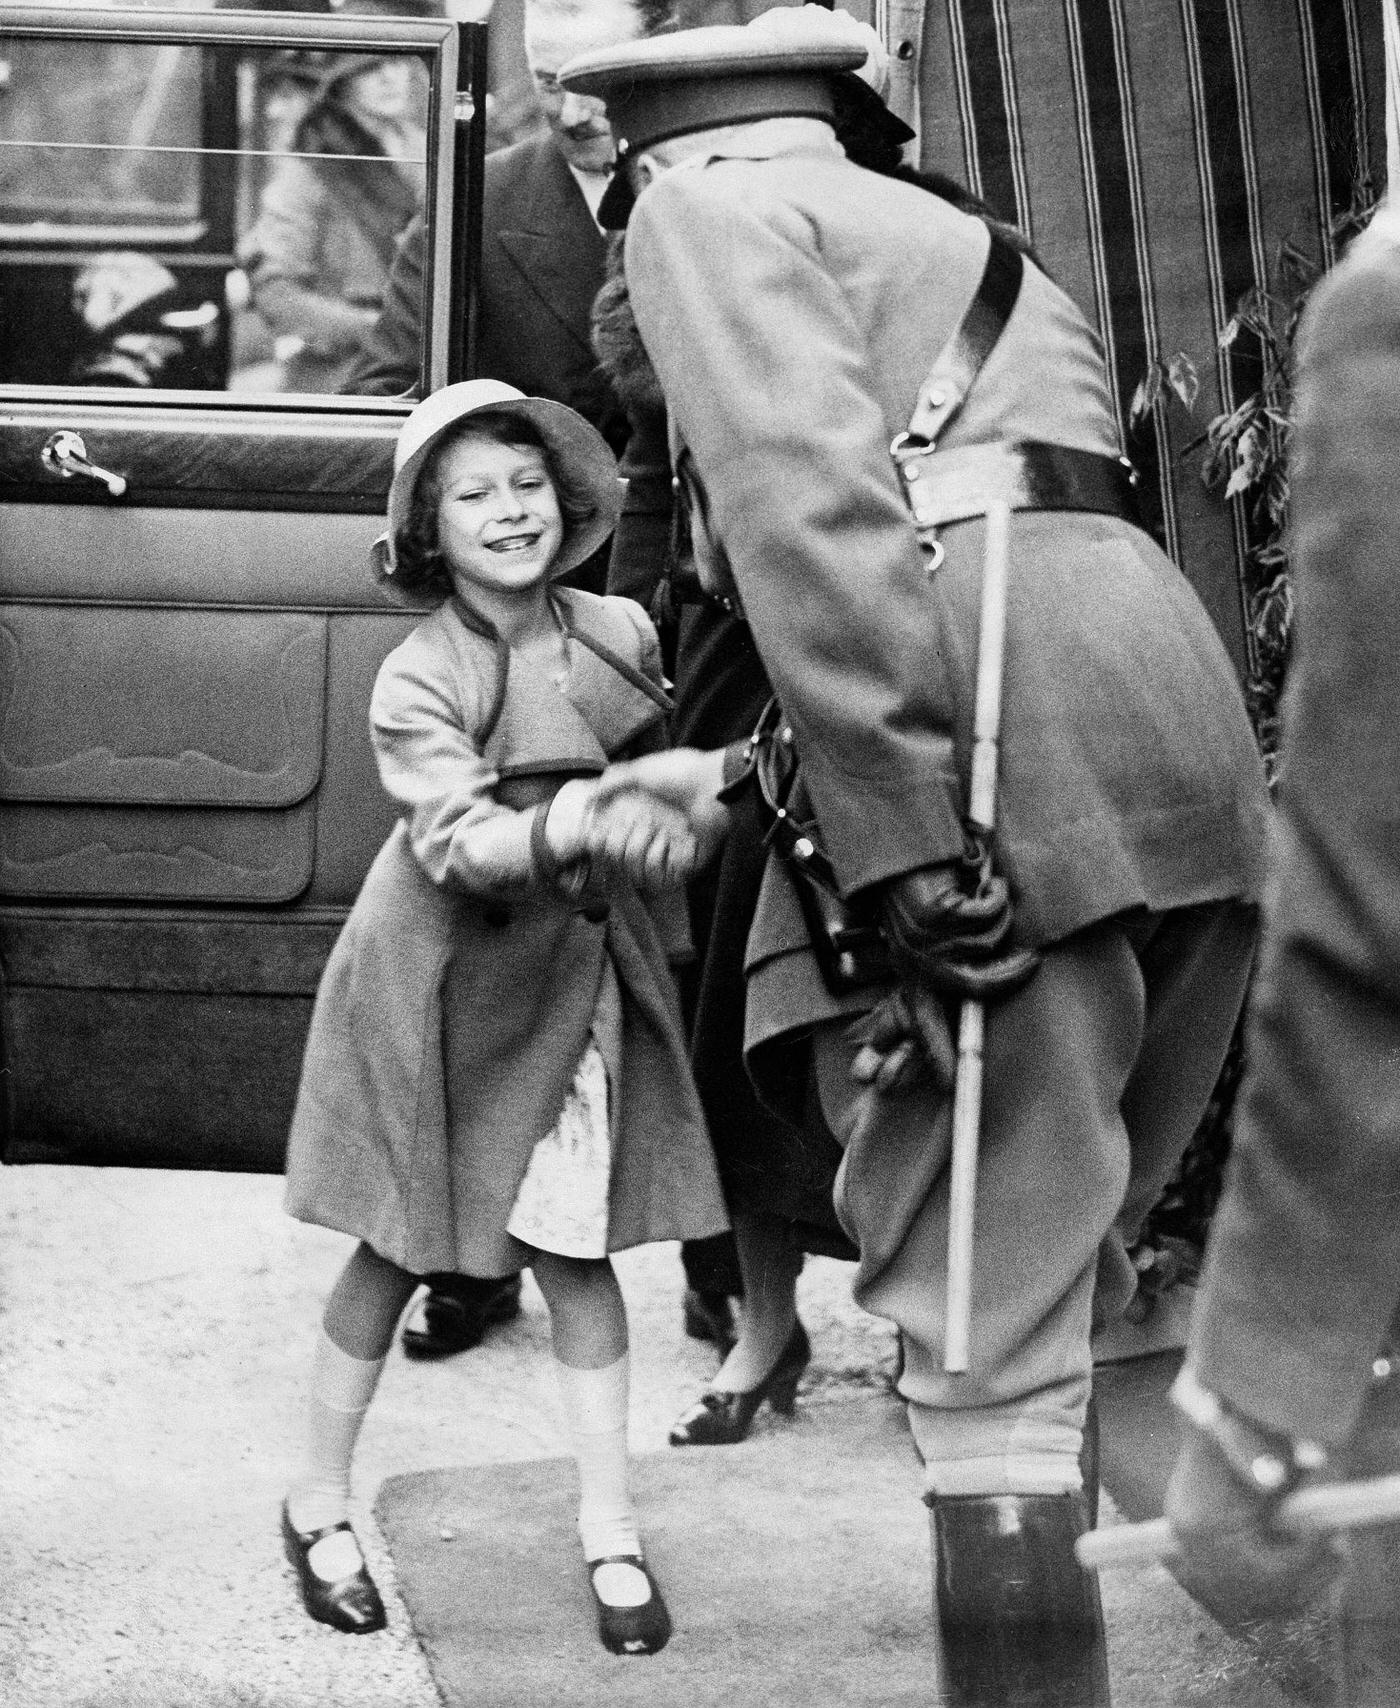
495 1076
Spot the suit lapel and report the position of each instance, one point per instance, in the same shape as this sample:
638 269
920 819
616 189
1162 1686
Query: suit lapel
554 244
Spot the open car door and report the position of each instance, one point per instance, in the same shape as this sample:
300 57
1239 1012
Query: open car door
189 629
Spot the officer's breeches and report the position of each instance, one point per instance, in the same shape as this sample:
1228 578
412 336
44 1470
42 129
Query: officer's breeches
1096 1075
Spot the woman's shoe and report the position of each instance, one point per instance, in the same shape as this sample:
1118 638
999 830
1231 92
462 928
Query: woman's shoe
350 1603
720 1418
640 1630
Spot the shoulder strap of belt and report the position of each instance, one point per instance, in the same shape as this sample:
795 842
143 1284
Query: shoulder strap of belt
959 362
625 669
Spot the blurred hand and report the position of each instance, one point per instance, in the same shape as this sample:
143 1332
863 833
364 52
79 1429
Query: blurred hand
684 780
904 1040
641 838
1229 1554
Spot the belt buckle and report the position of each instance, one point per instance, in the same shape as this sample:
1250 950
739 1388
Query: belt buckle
907 450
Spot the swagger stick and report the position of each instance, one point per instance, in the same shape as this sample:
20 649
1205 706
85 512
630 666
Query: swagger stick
982 810
1311 1512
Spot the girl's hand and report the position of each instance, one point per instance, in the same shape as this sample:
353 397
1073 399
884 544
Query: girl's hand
566 821
642 838
685 780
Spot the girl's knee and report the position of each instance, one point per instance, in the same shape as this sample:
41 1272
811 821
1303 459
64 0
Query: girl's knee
558 1276
365 1303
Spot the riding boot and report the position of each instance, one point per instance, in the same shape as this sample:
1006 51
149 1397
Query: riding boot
1020 1620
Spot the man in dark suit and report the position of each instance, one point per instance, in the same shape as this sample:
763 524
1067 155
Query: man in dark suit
1291 1367
542 263
542 250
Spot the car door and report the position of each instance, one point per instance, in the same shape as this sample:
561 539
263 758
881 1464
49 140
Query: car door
189 629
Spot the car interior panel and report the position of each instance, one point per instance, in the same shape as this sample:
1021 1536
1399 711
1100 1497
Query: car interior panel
189 625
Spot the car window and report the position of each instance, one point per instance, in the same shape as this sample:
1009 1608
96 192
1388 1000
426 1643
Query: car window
209 216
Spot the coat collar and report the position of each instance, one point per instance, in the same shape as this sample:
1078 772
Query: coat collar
540 729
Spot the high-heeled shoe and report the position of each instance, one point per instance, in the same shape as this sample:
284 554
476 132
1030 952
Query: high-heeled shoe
719 1418
350 1603
641 1630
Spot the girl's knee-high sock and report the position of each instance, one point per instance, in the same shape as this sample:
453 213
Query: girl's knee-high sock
595 1404
341 1390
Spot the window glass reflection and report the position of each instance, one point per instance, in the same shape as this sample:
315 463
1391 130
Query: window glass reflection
339 193
203 218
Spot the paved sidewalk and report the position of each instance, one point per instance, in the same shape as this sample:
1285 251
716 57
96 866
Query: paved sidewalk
154 1334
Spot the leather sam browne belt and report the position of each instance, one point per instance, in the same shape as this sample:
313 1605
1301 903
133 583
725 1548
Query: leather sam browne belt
960 482
945 486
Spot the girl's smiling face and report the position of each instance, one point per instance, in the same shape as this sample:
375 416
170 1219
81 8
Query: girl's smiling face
499 522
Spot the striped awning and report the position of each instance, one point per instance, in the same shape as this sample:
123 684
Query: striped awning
1159 153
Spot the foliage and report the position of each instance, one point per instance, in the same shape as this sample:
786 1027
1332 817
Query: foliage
1244 450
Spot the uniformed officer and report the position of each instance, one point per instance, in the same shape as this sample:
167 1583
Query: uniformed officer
793 305
1288 1363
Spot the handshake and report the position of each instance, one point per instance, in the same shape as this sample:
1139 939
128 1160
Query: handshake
653 821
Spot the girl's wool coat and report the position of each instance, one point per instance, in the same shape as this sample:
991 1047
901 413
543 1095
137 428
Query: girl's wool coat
454 1009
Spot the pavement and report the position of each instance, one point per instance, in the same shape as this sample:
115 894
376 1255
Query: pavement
155 1332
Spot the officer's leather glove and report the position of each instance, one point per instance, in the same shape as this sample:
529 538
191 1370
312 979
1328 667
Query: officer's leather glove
947 928
1221 1501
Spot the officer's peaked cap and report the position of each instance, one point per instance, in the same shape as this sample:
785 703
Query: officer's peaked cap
721 74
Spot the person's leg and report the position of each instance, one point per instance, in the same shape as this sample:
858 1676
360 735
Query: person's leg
1018 1620
712 1281
357 1329
1195 965
589 1325
1001 1443
767 1360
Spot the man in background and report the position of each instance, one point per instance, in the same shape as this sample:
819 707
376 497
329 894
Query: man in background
1291 1370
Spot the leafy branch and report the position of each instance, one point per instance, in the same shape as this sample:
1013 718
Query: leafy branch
1244 454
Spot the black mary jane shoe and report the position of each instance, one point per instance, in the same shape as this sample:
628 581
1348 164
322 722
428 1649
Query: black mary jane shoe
350 1603
720 1418
639 1630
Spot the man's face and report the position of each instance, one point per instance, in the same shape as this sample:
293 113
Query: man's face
553 35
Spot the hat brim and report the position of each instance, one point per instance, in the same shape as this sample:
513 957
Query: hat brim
577 447
717 50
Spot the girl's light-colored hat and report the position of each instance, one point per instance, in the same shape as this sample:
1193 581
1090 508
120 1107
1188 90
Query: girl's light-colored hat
580 450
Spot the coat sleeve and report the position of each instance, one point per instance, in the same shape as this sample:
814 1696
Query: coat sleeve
1303 1267
284 255
668 908
763 366
430 765
389 361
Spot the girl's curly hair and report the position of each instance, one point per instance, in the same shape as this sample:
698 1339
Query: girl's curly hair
421 568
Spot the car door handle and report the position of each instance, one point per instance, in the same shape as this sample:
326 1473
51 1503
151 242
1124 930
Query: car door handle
65 453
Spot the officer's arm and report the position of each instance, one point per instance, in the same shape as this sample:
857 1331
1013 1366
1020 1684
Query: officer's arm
763 368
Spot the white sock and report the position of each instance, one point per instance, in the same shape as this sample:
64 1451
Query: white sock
341 1390
595 1405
